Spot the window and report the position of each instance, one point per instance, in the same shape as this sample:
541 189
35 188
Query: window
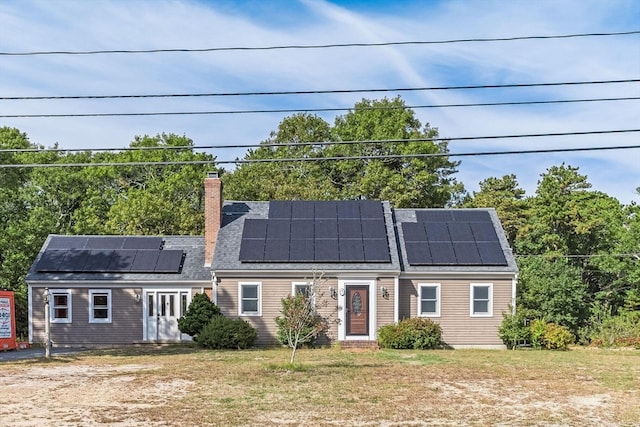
429 300
249 299
302 288
60 305
481 300
99 306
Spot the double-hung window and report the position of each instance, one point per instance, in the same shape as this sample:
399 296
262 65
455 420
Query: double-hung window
99 306
481 299
303 288
60 305
250 295
429 300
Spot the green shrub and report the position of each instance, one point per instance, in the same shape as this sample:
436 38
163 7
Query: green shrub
227 333
411 333
622 330
299 324
537 329
514 329
199 313
557 337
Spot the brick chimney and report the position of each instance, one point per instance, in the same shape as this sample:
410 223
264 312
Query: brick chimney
212 214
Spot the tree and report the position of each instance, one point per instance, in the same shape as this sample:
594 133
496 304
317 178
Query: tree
505 195
199 314
302 320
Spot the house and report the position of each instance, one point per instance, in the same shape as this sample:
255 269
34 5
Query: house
378 265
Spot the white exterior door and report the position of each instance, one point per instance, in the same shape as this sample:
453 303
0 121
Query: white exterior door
163 308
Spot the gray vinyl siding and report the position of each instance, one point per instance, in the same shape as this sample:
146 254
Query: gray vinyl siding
125 326
384 306
273 290
458 326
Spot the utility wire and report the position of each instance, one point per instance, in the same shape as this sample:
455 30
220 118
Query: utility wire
318 46
316 92
317 159
316 143
314 110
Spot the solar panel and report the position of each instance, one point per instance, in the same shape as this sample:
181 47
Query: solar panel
252 250
326 229
67 242
326 250
351 250
97 261
470 216
460 231
279 209
105 242
442 253
326 210
142 242
414 232
50 260
466 253
302 229
254 229
276 250
348 209
145 261
371 209
302 209
74 260
437 232
434 216
349 229
484 232
373 229
121 260
376 250
169 261
418 253
491 253
278 229
302 250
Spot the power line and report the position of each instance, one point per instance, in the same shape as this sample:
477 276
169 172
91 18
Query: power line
319 159
314 92
314 110
324 143
318 46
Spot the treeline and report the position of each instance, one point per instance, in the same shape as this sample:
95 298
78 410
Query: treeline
578 250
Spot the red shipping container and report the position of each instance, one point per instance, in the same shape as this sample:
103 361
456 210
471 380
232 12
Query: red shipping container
7 321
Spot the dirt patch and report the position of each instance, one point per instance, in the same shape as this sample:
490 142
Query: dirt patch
72 395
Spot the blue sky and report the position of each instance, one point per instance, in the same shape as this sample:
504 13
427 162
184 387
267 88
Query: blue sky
94 25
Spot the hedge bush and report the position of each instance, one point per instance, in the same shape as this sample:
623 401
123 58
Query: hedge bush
412 333
227 333
622 330
199 313
557 337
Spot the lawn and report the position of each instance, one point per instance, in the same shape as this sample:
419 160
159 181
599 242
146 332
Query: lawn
188 386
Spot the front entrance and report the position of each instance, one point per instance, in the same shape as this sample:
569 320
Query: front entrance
162 311
357 310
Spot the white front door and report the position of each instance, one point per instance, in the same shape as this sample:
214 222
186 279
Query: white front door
162 311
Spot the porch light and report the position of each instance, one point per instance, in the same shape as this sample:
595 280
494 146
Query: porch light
333 292
385 292
137 297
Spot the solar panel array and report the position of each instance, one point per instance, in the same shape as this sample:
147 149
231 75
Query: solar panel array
109 254
317 231
452 237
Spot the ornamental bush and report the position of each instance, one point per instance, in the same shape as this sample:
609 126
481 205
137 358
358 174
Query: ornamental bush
227 333
557 337
412 333
199 313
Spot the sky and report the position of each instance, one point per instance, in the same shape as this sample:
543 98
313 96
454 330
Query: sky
58 25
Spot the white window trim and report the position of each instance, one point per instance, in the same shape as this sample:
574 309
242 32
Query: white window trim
92 292
490 304
250 313
294 284
419 309
52 308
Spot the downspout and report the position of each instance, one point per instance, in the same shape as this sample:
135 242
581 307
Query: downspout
214 288
396 302
514 282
